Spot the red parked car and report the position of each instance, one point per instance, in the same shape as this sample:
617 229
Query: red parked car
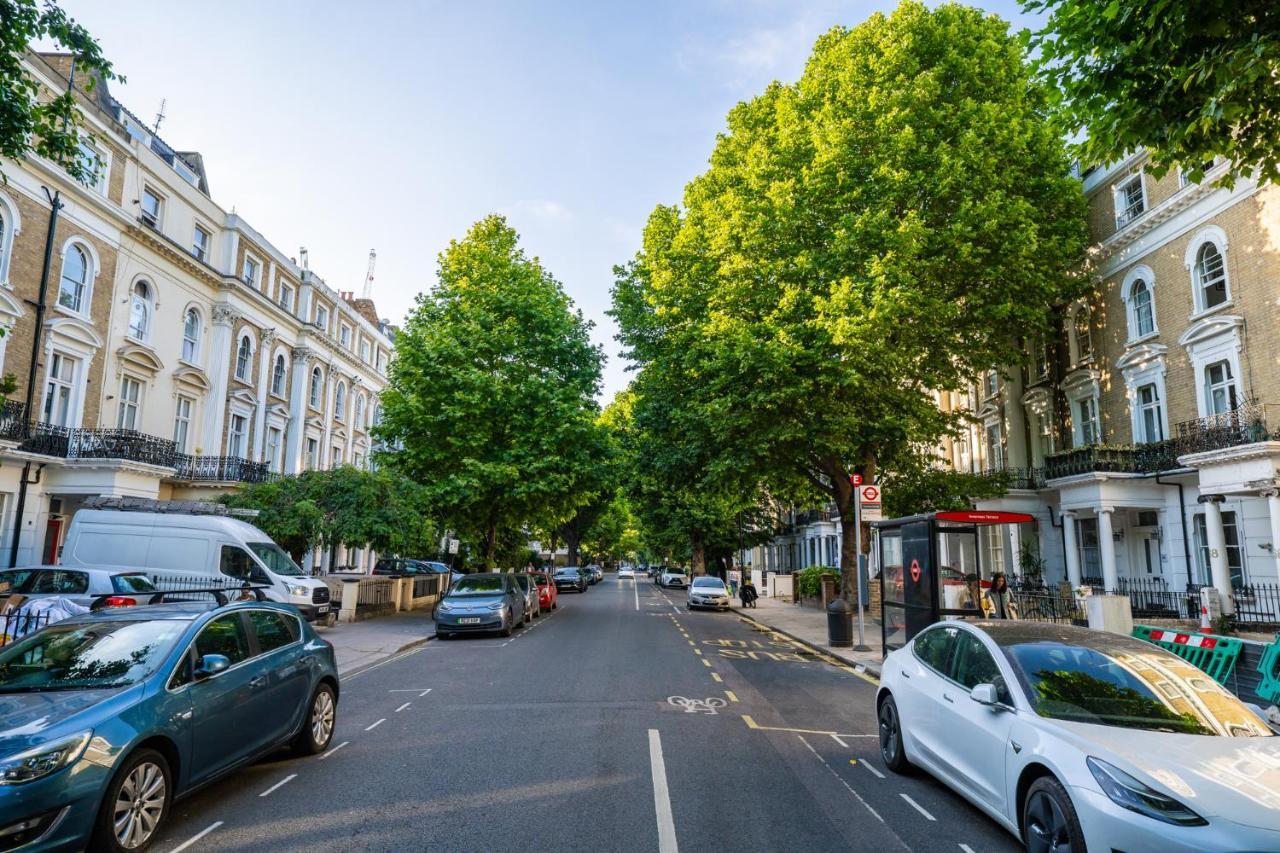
547 595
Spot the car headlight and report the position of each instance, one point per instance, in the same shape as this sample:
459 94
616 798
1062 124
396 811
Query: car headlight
497 605
444 607
40 761
1127 792
297 589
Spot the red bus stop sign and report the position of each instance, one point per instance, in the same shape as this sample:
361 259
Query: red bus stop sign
915 571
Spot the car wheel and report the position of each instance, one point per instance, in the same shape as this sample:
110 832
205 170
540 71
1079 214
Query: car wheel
136 804
1049 820
317 727
443 635
891 748
506 627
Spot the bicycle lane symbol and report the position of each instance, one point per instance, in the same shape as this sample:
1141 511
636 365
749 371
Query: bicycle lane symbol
697 706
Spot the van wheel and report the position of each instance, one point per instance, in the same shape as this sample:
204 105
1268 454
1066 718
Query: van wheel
318 725
136 804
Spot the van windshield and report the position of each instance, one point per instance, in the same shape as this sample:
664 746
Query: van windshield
276 559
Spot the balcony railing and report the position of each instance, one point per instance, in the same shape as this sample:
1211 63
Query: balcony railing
1019 478
1246 424
1148 458
220 469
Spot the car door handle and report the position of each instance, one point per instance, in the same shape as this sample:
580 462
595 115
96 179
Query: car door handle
260 681
947 696
906 674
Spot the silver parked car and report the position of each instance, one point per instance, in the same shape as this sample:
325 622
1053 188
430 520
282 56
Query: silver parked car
532 604
1075 739
89 587
707 591
671 578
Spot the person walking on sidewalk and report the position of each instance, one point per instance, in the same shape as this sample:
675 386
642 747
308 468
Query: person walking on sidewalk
1000 599
748 593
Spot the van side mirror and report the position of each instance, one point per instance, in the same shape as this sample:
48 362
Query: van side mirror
211 665
985 694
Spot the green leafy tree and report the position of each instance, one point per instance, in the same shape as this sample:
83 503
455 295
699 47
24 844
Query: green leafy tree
491 394
33 121
890 225
286 513
914 485
1188 81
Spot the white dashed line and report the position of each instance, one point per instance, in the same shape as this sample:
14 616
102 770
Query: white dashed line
856 795
375 725
424 693
402 707
286 780
201 834
837 739
661 796
872 768
917 806
335 749
966 848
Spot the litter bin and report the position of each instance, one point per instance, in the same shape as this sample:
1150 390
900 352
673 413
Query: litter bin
840 623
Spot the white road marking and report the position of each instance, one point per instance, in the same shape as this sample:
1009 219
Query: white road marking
424 693
839 741
872 768
635 589
966 848
402 707
201 834
661 796
375 725
391 659
286 780
335 749
916 806
409 690
856 795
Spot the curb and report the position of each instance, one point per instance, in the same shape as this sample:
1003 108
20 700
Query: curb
873 671
380 661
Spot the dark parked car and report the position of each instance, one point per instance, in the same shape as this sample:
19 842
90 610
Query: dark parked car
482 602
111 716
407 566
570 577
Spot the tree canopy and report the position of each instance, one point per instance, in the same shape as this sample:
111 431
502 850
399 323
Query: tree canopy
32 122
1188 81
890 225
491 396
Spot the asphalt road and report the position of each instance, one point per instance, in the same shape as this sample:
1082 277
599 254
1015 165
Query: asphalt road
579 734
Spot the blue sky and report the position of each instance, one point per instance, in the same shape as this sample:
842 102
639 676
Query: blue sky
345 126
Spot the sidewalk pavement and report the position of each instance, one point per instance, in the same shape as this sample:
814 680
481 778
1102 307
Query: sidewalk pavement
358 644
808 626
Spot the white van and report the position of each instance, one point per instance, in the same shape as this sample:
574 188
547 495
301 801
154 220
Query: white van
189 539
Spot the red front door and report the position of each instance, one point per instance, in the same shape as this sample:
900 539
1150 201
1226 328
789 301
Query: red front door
52 538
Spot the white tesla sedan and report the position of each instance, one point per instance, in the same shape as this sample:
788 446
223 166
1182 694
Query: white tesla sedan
1075 739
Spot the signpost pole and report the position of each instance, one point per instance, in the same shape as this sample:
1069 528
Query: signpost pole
857 565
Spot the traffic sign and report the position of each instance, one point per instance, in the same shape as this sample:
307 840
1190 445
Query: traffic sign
915 571
870 495
855 479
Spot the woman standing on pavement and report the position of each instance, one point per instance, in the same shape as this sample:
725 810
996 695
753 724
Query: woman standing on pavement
1000 599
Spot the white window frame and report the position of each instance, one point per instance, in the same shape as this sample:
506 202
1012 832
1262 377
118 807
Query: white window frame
315 389
1125 214
151 219
1154 407
10 228
322 311
344 335
104 163
236 448
357 417
274 447
182 421
72 385
194 357
1208 341
278 388
286 295
993 442
201 253
1229 385
129 409
245 375
1144 275
1083 386
92 265
1141 366
250 261
311 453
340 401
1209 234
1077 355
147 304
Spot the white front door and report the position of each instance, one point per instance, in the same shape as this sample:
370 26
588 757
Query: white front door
1147 559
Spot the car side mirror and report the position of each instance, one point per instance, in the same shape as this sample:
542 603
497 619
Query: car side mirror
211 665
985 694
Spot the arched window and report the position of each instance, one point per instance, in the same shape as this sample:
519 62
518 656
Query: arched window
277 376
1142 318
75 279
317 381
339 400
191 336
244 355
358 418
1082 334
1210 276
4 240
140 311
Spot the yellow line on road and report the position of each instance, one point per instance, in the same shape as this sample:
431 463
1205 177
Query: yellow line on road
697 651
752 724
730 694
717 677
706 662
692 643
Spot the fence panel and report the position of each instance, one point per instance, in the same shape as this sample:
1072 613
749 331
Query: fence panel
1257 604
1047 607
20 623
374 592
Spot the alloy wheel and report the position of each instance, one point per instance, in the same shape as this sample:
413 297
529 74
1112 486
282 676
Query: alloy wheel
888 732
1047 829
139 805
322 717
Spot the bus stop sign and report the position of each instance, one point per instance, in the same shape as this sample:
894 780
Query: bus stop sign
915 571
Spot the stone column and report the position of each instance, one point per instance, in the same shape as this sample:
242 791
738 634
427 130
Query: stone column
215 405
1219 571
299 382
1073 552
265 358
1014 538
1107 550
325 461
350 417
1273 511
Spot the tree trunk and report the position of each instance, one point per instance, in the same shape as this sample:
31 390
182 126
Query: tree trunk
699 559
842 494
491 540
573 541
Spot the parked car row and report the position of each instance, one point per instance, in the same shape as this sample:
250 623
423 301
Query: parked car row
496 602
406 566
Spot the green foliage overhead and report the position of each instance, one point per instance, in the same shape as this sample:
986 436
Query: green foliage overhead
1188 80
915 486
42 123
491 394
891 225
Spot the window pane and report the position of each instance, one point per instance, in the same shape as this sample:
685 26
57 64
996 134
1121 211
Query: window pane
273 629
974 665
224 636
933 647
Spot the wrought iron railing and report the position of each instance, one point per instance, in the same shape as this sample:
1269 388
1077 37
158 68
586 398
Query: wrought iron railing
13 420
1019 478
221 469
1256 604
1245 424
1134 459
1048 607
74 443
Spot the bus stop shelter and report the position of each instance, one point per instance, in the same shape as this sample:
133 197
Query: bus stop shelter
931 568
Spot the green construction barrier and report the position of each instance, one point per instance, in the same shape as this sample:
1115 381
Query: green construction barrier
1215 655
1269 666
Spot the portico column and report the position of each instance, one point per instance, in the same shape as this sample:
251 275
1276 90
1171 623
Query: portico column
1273 511
265 357
1073 552
1014 534
1216 539
325 462
298 390
215 408
1107 550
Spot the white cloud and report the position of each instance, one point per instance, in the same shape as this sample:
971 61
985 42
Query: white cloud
543 209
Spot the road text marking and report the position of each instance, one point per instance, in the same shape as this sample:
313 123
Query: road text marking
201 834
916 806
335 749
286 780
661 796
375 725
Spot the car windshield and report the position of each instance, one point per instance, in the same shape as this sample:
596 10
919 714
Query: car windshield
567 573
524 582
132 583
478 585
276 559
709 584
1126 683
90 655
540 579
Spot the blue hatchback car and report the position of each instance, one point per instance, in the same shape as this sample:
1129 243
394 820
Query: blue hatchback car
106 718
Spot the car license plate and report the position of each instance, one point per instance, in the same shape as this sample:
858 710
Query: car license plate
322 609
469 620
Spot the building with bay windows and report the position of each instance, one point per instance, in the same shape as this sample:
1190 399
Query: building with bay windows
181 352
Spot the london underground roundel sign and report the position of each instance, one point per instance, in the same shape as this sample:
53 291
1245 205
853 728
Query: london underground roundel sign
915 571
